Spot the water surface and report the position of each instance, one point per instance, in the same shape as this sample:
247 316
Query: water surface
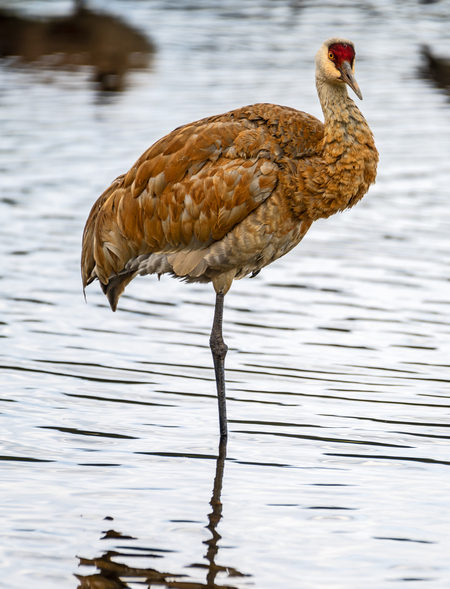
337 467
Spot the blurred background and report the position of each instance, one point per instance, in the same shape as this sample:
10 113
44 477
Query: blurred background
337 468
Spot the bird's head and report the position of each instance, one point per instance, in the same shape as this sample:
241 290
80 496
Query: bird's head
335 63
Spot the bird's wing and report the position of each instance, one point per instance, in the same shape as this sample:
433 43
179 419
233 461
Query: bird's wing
186 191
190 188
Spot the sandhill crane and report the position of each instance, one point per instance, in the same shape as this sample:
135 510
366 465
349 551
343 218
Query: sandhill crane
223 197
84 38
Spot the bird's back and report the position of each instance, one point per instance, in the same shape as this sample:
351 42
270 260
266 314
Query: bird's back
196 186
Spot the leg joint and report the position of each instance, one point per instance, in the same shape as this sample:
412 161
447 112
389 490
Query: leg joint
218 347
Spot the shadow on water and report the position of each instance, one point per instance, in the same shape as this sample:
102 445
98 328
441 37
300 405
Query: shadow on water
85 38
113 573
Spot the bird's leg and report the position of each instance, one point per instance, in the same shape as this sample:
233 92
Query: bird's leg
219 351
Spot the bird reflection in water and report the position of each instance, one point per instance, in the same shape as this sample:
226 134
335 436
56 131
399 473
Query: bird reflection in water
85 38
113 573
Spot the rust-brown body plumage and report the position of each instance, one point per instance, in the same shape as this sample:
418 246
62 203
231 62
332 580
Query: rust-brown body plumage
220 198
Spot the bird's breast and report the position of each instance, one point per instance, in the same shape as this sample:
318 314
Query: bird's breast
340 177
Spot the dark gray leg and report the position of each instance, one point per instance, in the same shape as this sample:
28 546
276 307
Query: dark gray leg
219 351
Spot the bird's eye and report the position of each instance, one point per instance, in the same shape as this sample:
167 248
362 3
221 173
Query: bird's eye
331 55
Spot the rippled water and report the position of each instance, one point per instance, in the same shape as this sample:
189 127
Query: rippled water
337 467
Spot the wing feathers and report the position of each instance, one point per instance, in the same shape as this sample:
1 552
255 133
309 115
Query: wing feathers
191 188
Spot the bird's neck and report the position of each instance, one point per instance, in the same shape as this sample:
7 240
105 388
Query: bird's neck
341 114
348 154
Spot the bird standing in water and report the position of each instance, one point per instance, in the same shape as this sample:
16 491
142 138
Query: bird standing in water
223 197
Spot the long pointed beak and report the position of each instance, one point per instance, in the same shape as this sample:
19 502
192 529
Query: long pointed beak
349 78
